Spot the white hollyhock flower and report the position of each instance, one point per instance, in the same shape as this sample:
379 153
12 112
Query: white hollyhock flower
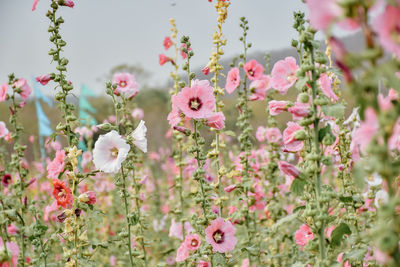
381 198
139 136
373 179
109 152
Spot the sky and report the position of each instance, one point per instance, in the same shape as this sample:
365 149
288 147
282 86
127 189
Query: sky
102 34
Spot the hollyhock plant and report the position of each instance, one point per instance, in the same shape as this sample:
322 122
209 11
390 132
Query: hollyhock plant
23 86
289 169
6 179
162 59
260 88
289 140
126 84
139 136
299 110
216 120
254 70
232 80
367 130
62 193
220 234
192 242
43 79
197 101
167 43
57 165
303 235
89 197
283 75
325 82
273 135
3 92
260 134
182 253
110 150
277 107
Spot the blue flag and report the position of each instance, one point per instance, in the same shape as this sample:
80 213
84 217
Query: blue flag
85 107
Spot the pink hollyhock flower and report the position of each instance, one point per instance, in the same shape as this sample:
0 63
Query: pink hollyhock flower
290 142
394 140
35 2
387 26
12 229
44 79
260 134
89 197
162 59
174 117
167 43
6 180
3 92
110 150
198 101
260 88
303 235
192 242
276 107
137 113
340 259
367 130
113 260
57 165
245 263
126 84
182 254
385 103
299 110
325 82
48 212
176 229
288 169
322 13
232 80
3 129
216 120
67 3
230 188
203 264
221 235
273 135
26 90
12 249
283 75
254 70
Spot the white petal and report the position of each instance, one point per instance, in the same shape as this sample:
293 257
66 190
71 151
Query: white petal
139 136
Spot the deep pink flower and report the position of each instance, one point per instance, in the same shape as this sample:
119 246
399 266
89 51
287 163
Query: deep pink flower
26 90
299 110
12 229
288 169
57 165
162 59
182 254
303 235
260 88
167 43
387 26
192 242
206 70
230 188
221 235
283 75
216 120
325 82
89 197
6 179
173 117
232 80
203 264
254 70
273 135
67 3
44 79
198 101
126 84
3 92
276 107
290 142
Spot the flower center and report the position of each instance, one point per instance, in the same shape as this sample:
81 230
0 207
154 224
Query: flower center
194 243
218 236
251 72
114 152
195 103
122 83
62 193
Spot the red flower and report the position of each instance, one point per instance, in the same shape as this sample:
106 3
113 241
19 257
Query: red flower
62 193
167 43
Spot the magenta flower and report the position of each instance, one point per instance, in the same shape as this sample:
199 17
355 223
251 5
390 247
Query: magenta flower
43 79
22 85
6 179
325 82
290 142
3 92
67 3
126 84
284 74
303 235
288 169
277 107
203 264
232 80
167 43
192 242
57 165
254 70
387 26
198 101
216 120
221 235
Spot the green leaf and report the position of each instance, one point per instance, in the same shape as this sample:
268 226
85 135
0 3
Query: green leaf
355 255
335 110
346 199
326 132
297 186
299 208
338 233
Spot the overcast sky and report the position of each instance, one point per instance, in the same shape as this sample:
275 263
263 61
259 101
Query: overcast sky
101 34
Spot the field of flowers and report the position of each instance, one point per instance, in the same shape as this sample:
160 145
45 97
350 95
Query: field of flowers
319 189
